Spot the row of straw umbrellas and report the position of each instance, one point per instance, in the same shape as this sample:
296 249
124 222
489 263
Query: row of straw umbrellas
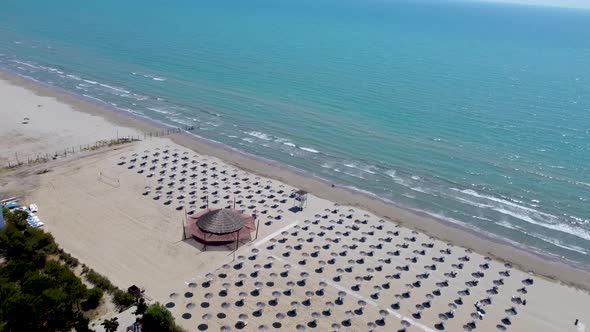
342 270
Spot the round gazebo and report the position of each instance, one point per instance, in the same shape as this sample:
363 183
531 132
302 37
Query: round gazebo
220 226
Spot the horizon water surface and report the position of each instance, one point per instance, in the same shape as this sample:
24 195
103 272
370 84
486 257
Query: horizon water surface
474 113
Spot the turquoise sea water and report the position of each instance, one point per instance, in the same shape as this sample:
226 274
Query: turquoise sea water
475 113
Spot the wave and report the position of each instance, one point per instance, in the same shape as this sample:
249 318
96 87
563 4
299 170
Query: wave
365 168
474 193
422 190
560 244
157 110
28 77
472 203
309 149
259 135
397 179
544 238
508 225
290 144
114 88
560 227
526 214
25 64
155 78
94 98
481 218
354 175
91 82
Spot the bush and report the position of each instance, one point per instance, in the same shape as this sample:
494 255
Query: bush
92 300
69 259
157 319
16 217
40 241
99 281
122 299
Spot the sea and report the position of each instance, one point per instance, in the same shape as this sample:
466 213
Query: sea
474 113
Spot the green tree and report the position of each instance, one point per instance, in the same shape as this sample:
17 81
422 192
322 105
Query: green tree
157 319
122 299
13 243
16 217
92 300
141 307
110 325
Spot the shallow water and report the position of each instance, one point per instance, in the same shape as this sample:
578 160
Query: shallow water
474 113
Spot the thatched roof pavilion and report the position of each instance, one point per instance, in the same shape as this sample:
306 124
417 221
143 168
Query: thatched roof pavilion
220 225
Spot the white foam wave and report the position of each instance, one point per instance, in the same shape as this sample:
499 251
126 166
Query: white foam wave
94 98
155 78
354 175
508 225
560 244
259 135
182 121
397 179
246 139
560 227
309 149
526 214
114 88
545 238
157 110
365 168
28 77
25 64
290 144
502 201
90 82
420 190
472 203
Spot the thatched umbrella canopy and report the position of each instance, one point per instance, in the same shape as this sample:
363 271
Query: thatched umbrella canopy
220 225
221 221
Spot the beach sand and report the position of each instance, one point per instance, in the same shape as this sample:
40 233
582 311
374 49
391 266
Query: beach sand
334 265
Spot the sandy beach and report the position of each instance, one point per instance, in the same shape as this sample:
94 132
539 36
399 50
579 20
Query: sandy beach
347 261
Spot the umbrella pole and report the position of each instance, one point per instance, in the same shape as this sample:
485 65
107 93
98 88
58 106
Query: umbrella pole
257 228
184 222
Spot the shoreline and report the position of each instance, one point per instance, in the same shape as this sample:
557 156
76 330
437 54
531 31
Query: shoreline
526 259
